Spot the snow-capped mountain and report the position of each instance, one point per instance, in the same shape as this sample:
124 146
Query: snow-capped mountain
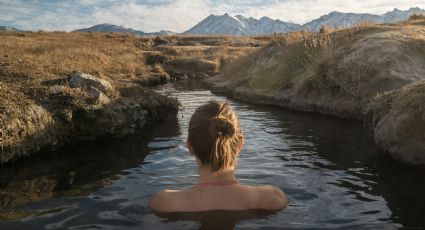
343 20
120 29
398 15
8 28
239 25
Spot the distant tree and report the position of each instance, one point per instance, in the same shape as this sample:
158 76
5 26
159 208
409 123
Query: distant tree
324 29
416 16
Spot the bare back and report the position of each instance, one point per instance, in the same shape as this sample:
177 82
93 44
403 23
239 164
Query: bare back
237 197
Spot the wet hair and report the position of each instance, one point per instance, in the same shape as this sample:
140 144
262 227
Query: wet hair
215 135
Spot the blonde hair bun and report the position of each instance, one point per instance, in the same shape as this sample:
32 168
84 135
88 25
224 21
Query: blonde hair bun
215 135
223 127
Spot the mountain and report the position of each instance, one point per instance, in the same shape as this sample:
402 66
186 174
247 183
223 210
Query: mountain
8 28
120 29
398 15
239 25
342 20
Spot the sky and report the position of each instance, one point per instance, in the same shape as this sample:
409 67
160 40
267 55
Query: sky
174 15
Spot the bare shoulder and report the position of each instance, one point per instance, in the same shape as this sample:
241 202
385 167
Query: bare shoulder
163 201
272 197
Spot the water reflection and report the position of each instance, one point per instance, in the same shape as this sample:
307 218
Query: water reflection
74 170
223 220
330 169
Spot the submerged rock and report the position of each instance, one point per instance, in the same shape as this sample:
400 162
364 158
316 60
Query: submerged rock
19 192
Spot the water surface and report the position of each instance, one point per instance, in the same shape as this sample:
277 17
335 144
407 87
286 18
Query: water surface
330 169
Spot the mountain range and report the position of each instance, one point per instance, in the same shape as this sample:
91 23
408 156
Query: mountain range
343 20
240 25
120 29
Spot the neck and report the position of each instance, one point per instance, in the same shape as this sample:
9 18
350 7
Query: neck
206 176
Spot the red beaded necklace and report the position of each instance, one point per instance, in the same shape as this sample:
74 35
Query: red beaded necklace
216 184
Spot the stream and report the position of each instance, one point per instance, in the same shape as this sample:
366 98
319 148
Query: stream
331 170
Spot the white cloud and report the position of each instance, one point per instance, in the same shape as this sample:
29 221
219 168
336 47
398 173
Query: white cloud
177 16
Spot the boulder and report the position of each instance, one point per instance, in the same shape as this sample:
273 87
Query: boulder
81 80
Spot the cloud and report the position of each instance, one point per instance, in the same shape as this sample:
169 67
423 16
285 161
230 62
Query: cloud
175 15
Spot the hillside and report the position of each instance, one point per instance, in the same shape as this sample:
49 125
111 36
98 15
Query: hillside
340 73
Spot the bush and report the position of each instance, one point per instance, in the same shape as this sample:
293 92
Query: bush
159 41
155 58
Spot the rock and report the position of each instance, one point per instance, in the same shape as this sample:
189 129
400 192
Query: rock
100 97
57 89
23 191
27 131
401 123
80 80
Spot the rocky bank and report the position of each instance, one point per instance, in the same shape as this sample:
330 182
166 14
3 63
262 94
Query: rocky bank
74 108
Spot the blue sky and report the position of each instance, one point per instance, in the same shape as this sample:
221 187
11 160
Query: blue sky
175 15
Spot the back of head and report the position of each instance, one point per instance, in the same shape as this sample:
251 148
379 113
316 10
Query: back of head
215 135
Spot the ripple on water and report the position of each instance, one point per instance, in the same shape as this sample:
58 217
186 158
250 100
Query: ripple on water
329 185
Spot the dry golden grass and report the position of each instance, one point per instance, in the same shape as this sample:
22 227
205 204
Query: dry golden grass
31 62
279 64
339 71
45 55
34 67
59 53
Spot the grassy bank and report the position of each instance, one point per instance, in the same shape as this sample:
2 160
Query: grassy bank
340 73
39 106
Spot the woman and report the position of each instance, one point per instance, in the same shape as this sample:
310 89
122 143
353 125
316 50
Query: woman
215 139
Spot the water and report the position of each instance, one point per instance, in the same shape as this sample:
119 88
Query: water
330 169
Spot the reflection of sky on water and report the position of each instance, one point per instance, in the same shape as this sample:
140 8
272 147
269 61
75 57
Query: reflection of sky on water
329 168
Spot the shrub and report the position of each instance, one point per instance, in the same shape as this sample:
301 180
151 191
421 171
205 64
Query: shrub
155 58
416 16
